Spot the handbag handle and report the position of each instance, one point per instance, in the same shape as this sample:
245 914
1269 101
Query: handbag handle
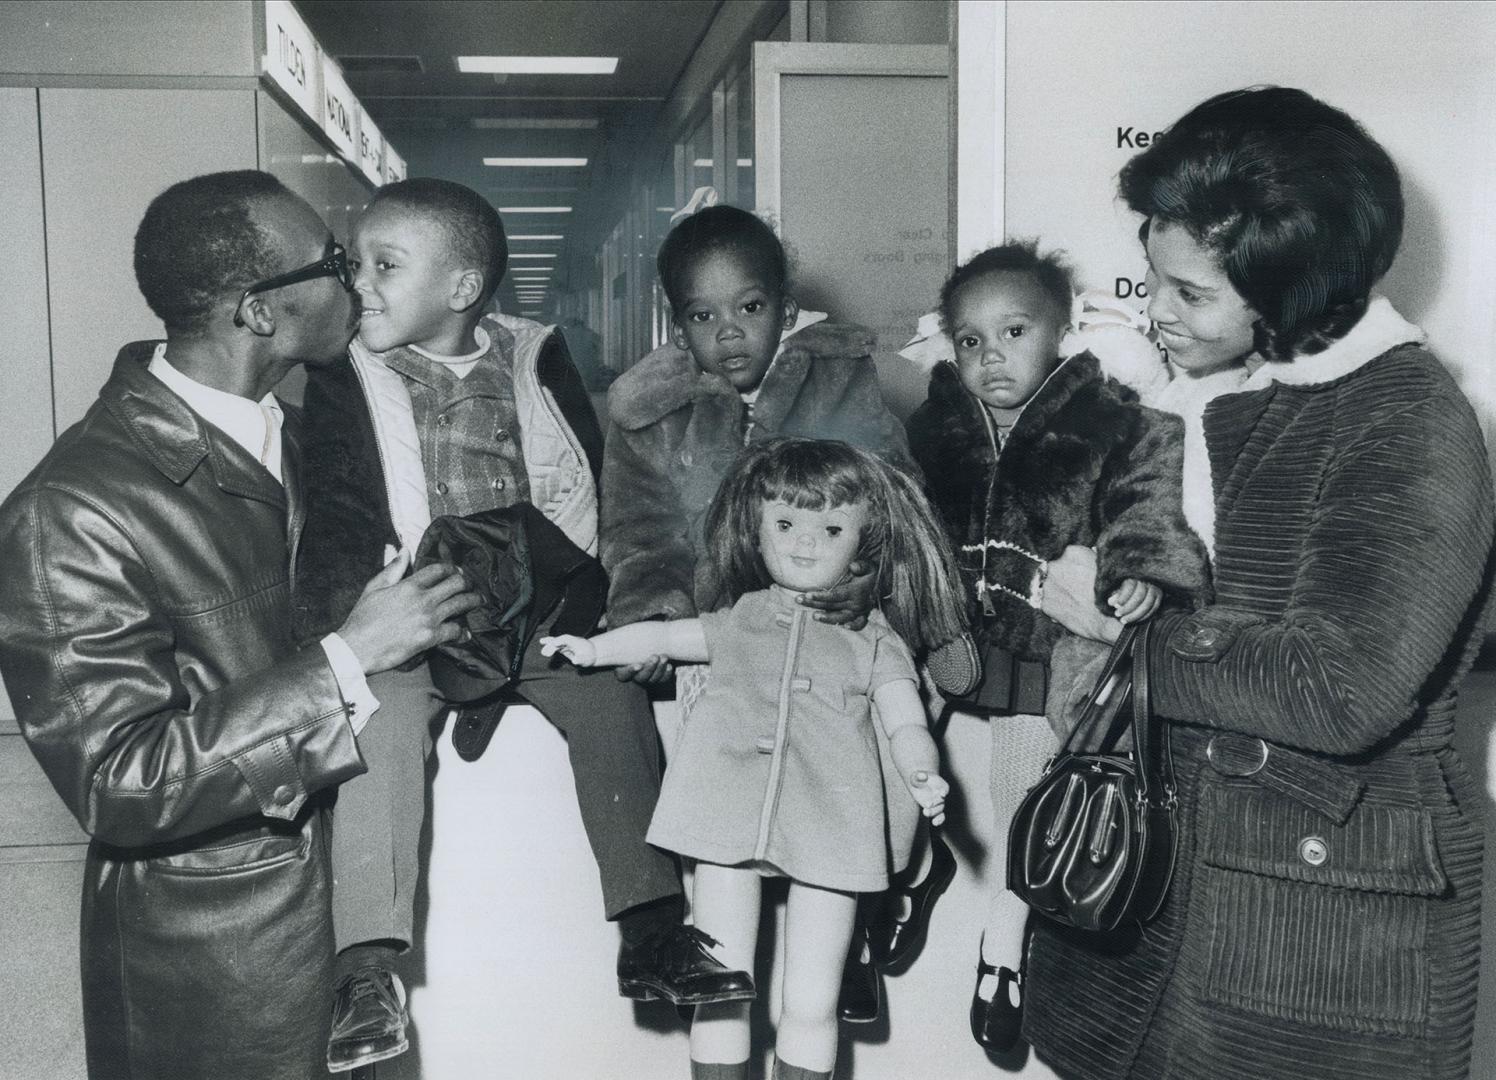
1151 746
1109 695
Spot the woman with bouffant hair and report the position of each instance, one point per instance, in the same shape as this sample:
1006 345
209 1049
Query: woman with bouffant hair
1324 915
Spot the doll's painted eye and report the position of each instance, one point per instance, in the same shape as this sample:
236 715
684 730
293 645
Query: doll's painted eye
833 530
782 525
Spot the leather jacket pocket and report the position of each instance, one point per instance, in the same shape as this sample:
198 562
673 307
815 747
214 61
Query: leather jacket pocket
1311 922
242 856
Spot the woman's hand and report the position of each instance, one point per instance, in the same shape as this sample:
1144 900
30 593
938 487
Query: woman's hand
1070 592
578 650
1135 600
849 603
929 790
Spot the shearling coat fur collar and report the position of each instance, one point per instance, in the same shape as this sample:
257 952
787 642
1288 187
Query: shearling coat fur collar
668 378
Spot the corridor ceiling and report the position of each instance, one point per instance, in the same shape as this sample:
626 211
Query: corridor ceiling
400 59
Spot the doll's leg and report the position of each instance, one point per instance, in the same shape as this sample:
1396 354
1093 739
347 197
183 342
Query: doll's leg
725 904
818 928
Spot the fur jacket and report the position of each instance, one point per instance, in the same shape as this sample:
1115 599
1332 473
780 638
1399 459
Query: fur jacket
350 521
676 430
1084 464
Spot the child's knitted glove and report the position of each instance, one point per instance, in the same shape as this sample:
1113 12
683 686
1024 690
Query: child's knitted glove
956 666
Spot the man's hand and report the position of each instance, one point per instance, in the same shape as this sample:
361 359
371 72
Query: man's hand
849 603
651 672
396 618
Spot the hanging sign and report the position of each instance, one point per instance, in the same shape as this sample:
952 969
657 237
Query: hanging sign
339 109
292 57
394 165
370 148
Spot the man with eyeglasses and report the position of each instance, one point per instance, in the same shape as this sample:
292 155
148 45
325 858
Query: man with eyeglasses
145 642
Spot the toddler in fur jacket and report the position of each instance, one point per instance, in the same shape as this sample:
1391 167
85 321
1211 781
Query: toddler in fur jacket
1026 453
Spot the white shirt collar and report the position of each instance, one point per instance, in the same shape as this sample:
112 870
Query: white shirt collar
254 425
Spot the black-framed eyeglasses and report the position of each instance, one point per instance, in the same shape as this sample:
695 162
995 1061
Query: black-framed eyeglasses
334 265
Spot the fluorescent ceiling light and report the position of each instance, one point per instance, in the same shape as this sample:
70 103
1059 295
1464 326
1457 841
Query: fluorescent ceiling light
535 236
539 279
537 65
535 162
534 209
702 163
538 123
531 255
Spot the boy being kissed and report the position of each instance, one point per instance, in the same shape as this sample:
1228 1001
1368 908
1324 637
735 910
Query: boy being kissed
443 409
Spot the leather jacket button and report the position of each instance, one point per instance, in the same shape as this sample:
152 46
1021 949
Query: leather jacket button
1313 850
1205 637
283 795
441 487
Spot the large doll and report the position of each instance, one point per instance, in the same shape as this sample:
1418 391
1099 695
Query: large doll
808 755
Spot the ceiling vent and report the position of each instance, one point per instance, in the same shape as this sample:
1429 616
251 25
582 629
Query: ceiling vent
382 65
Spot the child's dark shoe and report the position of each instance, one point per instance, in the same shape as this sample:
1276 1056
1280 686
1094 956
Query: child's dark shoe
899 930
861 985
997 1022
677 965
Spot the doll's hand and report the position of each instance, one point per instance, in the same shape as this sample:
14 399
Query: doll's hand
578 650
849 603
929 790
651 672
1135 600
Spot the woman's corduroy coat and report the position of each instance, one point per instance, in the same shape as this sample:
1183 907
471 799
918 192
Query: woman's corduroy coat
1324 919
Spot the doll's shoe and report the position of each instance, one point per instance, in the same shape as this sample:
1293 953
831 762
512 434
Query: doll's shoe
898 932
861 984
997 1024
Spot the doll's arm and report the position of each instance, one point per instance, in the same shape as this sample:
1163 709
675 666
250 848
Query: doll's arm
913 749
679 639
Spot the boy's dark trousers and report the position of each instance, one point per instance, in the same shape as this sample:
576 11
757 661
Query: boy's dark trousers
615 760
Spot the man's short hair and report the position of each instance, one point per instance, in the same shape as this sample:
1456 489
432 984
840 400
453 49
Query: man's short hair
470 226
199 242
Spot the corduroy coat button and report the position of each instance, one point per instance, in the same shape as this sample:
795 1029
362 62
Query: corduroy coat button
1313 850
441 487
1205 637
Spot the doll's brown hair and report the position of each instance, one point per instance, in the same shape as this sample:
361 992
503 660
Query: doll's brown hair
917 576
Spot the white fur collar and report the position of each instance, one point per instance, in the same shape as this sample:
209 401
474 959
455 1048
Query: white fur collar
1379 329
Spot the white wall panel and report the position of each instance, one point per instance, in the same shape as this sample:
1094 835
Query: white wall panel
25 347
107 154
1085 81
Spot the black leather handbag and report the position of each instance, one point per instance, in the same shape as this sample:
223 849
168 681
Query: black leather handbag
1092 844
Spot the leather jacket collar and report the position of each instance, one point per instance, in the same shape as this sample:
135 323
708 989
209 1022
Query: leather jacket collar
177 441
